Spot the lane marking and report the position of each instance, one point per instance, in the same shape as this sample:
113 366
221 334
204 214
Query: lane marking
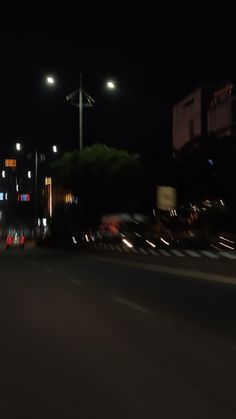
228 255
74 281
126 249
209 254
153 252
34 264
178 272
192 253
177 253
143 251
164 252
130 304
50 271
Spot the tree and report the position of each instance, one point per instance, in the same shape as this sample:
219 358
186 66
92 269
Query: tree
105 179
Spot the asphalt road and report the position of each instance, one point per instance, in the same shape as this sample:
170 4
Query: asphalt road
88 337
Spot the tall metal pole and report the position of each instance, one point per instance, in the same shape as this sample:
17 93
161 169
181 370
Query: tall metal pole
80 114
36 191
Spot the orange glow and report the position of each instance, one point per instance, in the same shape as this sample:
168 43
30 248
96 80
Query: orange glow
10 163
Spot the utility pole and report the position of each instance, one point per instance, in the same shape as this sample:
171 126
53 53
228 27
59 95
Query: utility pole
80 114
36 192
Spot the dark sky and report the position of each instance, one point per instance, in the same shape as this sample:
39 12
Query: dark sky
154 63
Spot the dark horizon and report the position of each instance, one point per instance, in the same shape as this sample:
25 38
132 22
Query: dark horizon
151 76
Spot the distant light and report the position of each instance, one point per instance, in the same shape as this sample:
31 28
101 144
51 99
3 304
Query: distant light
17 188
10 162
111 85
210 161
127 243
74 241
24 197
48 181
225 245
222 202
29 174
18 146
164 241
151 244
86 237
39 222
227 240
44 222
0 215
3 173
50 80
54 148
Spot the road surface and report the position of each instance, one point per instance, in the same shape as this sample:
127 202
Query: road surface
83 336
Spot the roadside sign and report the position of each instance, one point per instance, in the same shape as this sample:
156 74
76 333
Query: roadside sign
166 198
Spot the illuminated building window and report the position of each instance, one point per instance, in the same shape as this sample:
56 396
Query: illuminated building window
70 199
25 197
10 163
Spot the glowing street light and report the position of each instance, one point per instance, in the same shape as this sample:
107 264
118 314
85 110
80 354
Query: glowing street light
3 173
29 174
50 80
18 146
54 149
111 84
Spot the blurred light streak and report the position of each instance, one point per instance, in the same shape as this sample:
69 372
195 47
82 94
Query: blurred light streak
164 241
225 245
127 243
227 240
151 244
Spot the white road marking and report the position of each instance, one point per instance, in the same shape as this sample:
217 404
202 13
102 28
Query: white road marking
34 264
177 253
222 279
130 304
143 251
228 255
126 249
50 271
164 252
209 254
74 281
153 252
192 253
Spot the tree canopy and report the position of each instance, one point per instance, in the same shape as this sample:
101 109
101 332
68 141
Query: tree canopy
105 179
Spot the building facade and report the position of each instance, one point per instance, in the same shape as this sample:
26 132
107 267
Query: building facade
207 110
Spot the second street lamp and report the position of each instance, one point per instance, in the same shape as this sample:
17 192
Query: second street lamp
36 162
90 102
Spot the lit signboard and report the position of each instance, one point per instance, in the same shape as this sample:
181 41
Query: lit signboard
3 196
23 197
10 163
48 181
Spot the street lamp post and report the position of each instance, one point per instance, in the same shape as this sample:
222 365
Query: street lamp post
36 190
36 162
90 102
80 114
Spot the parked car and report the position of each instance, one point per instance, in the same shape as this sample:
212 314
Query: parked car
15 239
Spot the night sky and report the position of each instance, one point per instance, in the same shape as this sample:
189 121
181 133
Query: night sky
154 65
